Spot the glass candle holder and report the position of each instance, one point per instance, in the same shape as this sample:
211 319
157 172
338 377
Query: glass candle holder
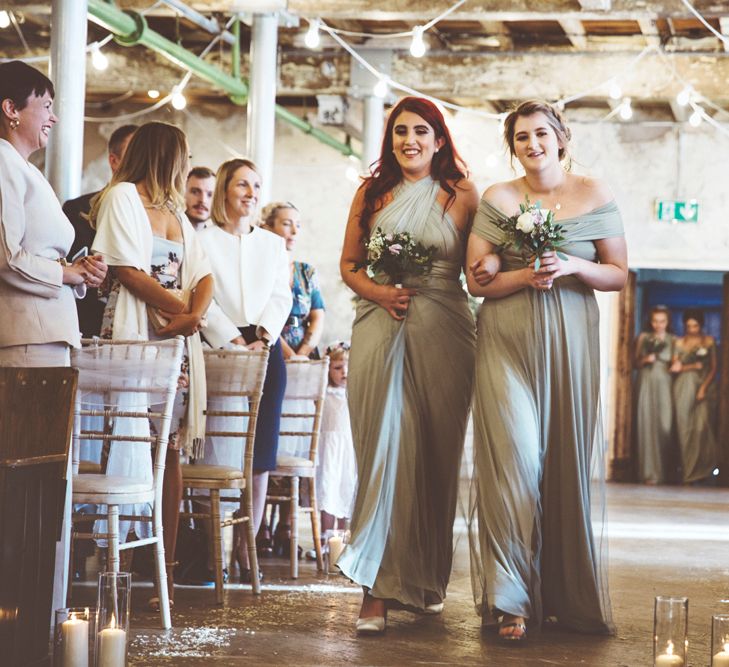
720 640
334 541
670 632
73 636
112 619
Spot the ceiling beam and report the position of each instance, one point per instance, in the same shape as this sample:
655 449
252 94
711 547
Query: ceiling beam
650 32
575 32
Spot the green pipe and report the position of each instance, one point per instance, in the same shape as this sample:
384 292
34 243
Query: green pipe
131 28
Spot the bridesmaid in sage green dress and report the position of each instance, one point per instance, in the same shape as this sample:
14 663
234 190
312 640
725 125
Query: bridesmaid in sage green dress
654 399
410 369
537 385
694 364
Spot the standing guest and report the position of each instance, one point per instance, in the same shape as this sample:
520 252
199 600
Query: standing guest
91 308
39 321
304 328
252 302
299 338
654 401
336 473
694 366
536 401
156 259
199 196
411 368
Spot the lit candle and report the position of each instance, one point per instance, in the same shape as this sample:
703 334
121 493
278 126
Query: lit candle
75 642
721 659
112 646
669 658
336 546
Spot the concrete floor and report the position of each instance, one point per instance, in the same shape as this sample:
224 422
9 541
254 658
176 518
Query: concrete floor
663 541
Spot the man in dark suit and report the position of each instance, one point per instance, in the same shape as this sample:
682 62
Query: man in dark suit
90 308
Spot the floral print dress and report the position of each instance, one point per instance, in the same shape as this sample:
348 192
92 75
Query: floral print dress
165 269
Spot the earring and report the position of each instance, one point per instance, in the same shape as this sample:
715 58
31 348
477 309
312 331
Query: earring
14 123
437 149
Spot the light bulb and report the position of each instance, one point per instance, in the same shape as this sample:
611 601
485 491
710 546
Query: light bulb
614 90
152 93
381 88
626 110
4 19
684 97
178 100
696 117
352 174
98 59
417 47
312 38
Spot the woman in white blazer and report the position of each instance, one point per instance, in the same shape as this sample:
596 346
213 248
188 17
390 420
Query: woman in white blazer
38 321
251 304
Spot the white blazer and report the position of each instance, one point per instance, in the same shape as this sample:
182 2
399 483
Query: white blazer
251 274
35 306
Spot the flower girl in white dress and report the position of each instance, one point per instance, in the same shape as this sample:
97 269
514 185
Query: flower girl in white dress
336 475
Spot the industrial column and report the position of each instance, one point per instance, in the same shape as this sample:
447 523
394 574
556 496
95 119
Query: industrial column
262 97
64 156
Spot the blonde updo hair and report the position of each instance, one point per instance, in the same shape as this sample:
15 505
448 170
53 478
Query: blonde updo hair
554 118
270 211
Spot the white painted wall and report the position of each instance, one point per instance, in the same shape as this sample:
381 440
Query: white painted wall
639 162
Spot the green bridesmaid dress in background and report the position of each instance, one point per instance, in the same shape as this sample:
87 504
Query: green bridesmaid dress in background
537 441
654 410
694 430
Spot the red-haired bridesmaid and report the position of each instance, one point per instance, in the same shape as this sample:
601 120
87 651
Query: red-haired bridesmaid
410 368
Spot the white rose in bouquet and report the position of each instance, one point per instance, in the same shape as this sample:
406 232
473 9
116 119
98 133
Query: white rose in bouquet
525 222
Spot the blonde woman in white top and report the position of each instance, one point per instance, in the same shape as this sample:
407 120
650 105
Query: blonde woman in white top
251 305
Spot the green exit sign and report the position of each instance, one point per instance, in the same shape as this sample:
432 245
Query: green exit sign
670 210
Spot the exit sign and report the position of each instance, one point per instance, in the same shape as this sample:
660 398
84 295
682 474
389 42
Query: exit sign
670 210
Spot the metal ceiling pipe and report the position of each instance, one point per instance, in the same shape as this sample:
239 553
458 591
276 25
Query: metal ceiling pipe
260 134
210 25
131 28
64 157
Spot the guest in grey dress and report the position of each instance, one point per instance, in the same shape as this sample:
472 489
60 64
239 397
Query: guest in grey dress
536 397
694 363
410 369
654 400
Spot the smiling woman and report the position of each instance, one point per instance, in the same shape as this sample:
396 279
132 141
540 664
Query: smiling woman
37 311
251 305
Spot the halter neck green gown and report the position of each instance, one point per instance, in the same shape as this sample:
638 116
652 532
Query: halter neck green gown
536 440
409 391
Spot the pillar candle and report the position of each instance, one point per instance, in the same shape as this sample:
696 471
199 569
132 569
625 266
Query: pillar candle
75 642
112 646
336 546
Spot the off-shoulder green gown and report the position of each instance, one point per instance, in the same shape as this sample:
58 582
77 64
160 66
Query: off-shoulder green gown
654 413
536 440
409 391
694 430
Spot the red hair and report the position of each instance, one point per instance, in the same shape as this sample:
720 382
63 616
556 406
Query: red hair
446 167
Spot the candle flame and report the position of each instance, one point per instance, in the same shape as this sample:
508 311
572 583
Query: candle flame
726 647
112 625
86 612
669 649
73 616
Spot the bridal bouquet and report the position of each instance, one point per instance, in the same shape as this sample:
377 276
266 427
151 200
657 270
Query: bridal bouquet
396 255
654 345
532 231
